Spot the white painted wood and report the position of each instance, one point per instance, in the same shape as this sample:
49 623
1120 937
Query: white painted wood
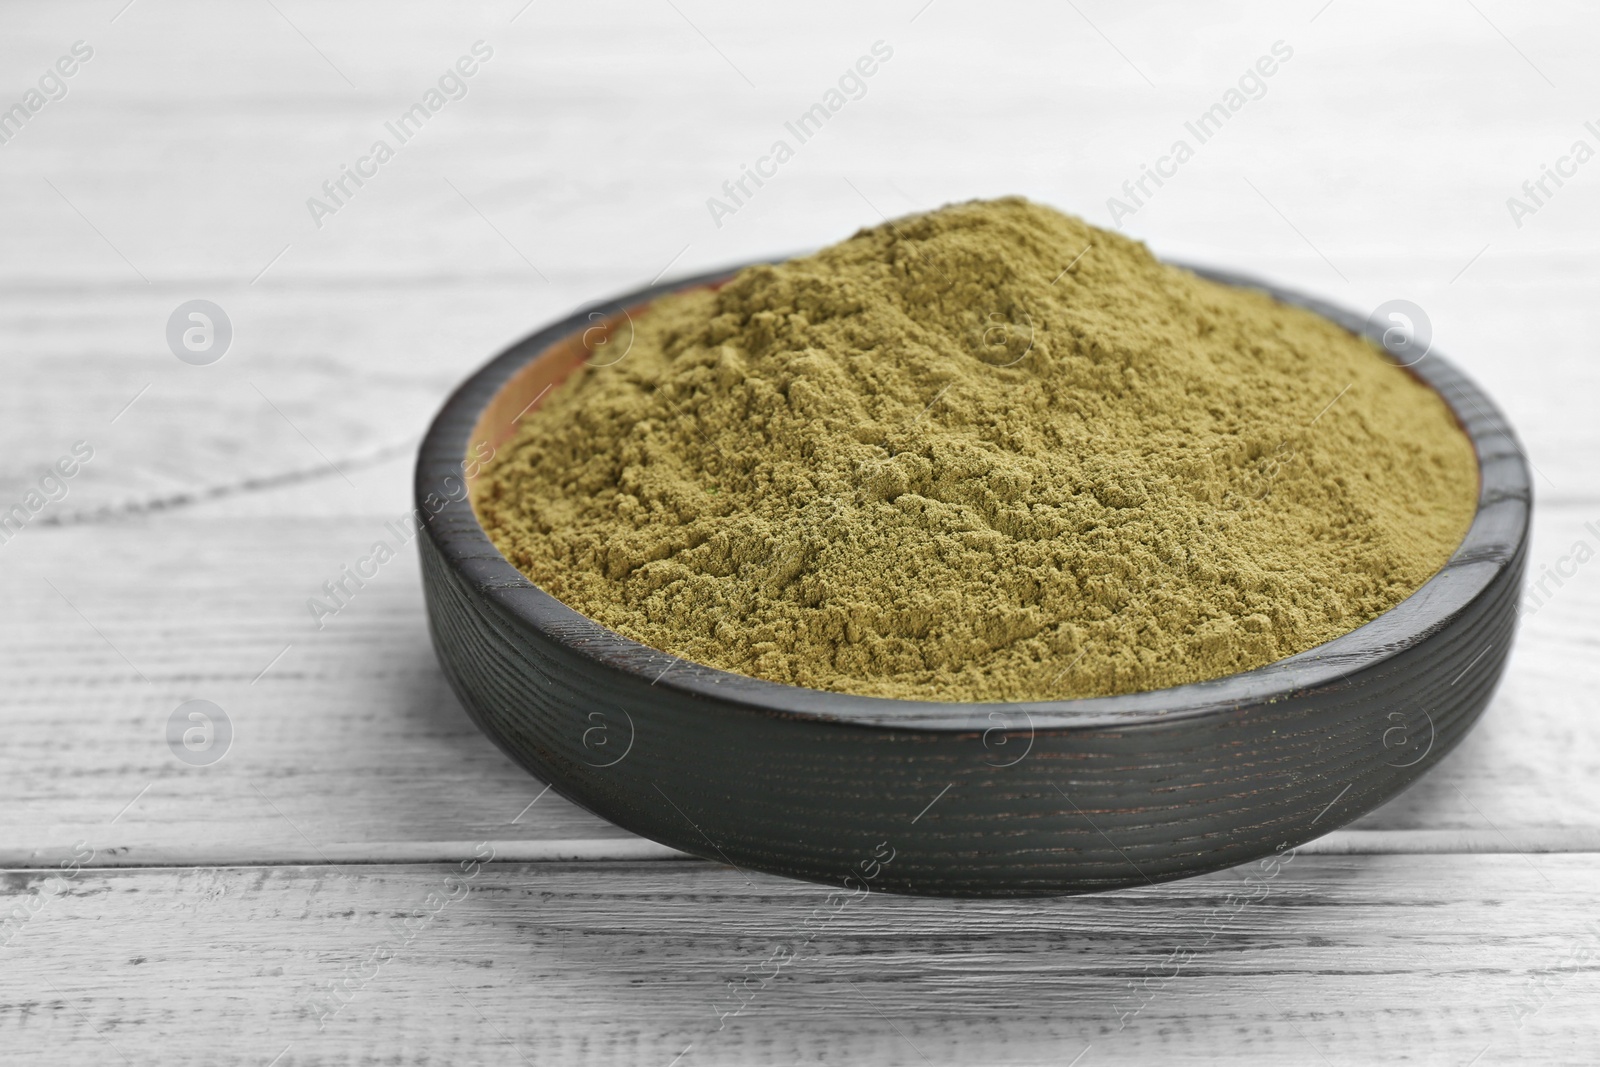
353 737
1427 959
1377 165
215 853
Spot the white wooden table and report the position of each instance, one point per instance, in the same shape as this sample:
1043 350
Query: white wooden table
312 897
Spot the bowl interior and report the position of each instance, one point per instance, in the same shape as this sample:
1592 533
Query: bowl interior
526 388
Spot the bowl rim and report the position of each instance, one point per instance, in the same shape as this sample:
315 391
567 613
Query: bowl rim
1493 540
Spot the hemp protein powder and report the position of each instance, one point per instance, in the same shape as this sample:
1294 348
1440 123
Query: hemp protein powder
988 453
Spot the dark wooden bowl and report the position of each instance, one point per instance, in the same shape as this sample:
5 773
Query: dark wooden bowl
1048 797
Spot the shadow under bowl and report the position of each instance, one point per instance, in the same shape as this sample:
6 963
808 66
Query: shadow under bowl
957 799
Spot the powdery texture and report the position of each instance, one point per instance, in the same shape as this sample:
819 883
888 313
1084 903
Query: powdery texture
936 462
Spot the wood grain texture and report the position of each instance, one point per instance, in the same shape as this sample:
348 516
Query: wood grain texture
1348 960
1380 164
360 327
354 736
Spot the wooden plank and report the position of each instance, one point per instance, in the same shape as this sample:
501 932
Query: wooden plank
362 325
213 509
1336 959
350 377
527 849
352 738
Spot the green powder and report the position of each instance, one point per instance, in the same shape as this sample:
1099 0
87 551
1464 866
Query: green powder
988 453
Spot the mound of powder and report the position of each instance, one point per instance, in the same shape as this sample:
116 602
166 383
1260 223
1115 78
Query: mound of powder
988 453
